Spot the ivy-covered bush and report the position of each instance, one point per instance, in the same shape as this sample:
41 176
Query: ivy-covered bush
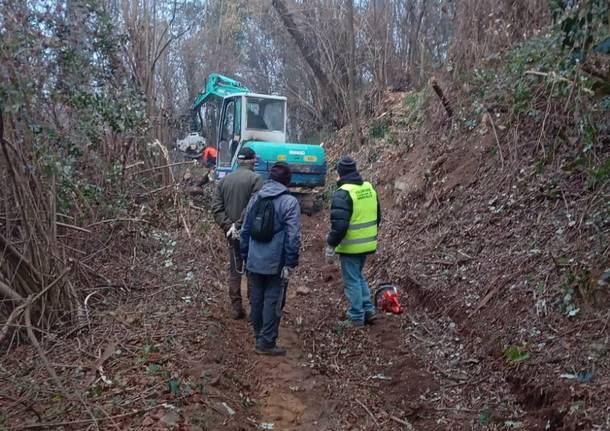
69 104
544 85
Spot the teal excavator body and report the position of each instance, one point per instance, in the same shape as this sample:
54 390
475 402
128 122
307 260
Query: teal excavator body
233 117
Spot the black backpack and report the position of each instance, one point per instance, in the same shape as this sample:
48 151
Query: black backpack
262 228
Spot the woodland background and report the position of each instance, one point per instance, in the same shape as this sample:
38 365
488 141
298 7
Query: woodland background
94 93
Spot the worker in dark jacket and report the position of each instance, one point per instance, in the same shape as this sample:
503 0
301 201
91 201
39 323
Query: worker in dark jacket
231 197
354 217
271 264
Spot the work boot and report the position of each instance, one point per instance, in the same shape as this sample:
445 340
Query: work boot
370 318
347 323
272 351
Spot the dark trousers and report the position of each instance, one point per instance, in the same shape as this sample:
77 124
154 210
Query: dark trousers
236 270
267 299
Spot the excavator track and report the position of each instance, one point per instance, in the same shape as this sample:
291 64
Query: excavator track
309 201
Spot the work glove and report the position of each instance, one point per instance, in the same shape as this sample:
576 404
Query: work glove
329 254
233 233
287 273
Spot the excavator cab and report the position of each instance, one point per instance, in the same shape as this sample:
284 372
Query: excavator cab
234 117
247 118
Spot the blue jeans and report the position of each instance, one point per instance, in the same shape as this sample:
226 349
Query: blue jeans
356 287
267 299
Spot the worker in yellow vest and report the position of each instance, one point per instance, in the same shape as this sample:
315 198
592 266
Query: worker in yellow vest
354 218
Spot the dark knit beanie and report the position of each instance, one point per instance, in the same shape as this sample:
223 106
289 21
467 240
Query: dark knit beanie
281 173
346 166
246 154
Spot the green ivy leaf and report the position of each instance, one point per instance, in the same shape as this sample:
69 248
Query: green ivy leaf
174 386
153 368
485 416
516 354
149 348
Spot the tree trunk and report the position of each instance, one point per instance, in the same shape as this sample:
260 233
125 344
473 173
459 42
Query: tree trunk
352 103
327 90
413 44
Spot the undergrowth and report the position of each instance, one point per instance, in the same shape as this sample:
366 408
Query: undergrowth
541 89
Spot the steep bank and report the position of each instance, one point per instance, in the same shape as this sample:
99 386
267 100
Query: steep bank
500 234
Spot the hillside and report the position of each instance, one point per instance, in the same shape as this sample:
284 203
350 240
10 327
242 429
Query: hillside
503 261
498 234
497 262
486 135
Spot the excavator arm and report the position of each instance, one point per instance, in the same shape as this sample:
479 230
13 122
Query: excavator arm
219 86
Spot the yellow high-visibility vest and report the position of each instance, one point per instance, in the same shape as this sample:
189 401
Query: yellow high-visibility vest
361 236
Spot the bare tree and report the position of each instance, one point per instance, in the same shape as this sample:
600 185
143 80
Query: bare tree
353 106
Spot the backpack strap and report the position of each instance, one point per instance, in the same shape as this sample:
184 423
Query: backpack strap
282 225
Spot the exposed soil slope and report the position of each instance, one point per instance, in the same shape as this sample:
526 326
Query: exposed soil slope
502 254
496 261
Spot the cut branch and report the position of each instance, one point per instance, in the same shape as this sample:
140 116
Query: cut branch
41 353
156 168
48 425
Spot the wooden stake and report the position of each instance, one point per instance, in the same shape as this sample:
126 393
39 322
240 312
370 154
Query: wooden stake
439 92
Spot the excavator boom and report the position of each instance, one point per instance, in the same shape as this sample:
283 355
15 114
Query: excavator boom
220 86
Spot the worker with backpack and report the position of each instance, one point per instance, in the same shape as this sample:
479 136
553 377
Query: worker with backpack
270 240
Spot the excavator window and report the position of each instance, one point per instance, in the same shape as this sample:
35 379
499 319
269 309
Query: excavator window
228 122
265 114
209 114
227 146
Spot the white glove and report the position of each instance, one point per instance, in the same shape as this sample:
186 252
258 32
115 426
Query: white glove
287 273
329 254
233 233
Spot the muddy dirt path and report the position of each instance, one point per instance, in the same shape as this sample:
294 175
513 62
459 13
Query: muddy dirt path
412 371
291 392
329 376
180 363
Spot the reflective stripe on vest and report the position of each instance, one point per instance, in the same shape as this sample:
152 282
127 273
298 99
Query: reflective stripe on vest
361 235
